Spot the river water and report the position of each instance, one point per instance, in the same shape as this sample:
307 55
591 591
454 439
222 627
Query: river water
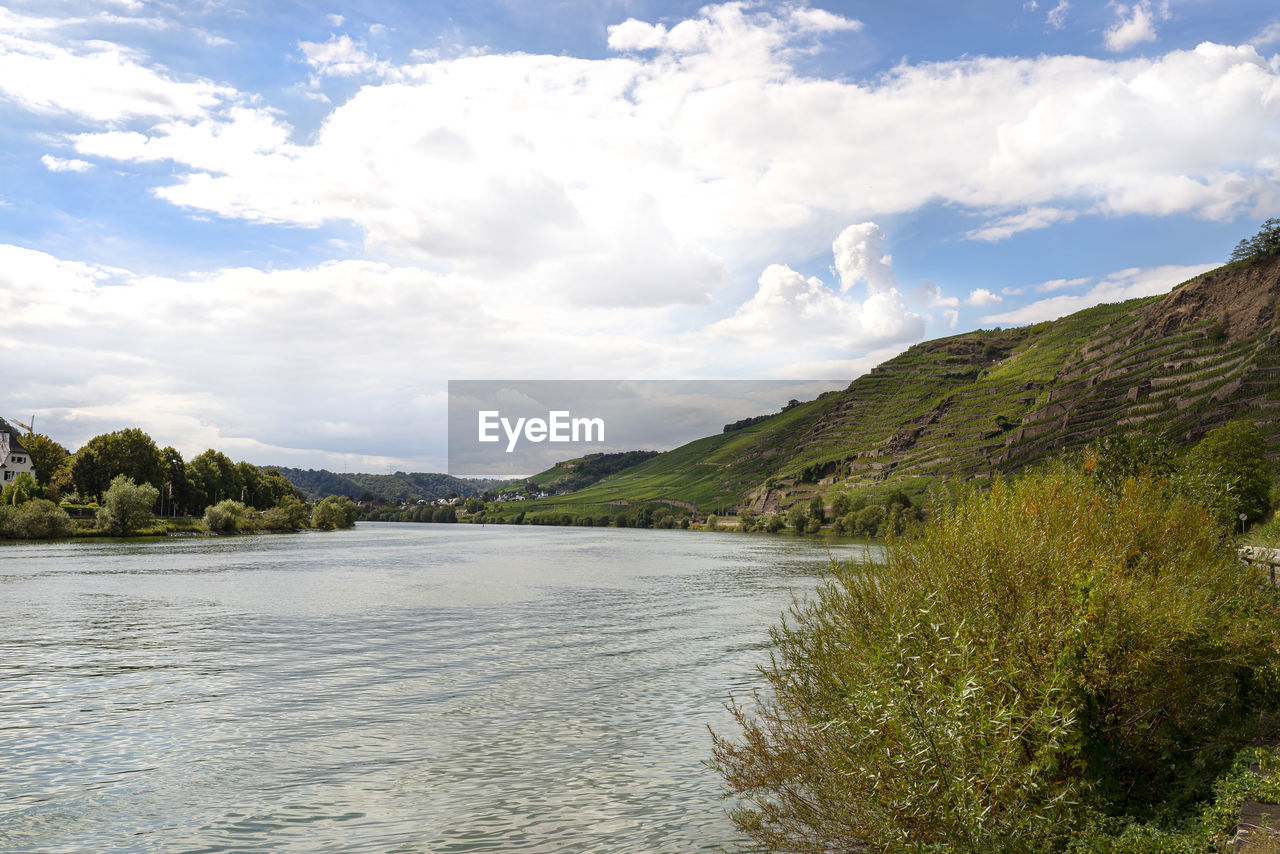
394 688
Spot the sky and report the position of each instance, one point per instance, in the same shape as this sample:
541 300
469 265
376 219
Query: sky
279 229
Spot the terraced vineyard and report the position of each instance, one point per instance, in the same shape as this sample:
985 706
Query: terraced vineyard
987 402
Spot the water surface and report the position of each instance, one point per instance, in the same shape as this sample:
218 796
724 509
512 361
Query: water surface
400 688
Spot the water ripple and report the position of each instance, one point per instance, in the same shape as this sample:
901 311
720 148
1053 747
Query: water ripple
415 688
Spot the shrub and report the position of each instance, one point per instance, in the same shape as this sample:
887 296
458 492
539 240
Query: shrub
40 519
126 506
1041 651
21 489
712 522
1233 459
290 513
225 516
339 511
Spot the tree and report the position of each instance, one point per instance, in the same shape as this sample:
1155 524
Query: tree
1265 242
176 492
126 506
338 511
1232 462
128 452
213 477
46 455
797 518
818 509
225 516
273 488
21 489
290 513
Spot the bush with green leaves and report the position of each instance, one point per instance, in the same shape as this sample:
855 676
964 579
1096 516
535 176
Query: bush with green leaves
21 489
225 517
339 511
1232 461
126 506
40 519
289 514
1040 652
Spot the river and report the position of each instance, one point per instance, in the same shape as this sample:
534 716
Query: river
392 688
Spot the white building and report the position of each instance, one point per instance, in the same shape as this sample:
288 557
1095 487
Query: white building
14 459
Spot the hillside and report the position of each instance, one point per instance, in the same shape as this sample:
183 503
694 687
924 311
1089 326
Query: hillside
389 487
579 473
993 401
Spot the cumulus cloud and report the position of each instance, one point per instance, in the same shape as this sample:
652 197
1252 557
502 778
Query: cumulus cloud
61 164
789 310
982 296
952 316
860 257
519 162
1134 24
1116 287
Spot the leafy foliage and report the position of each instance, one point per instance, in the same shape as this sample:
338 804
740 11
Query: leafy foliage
129 452
1265 242
336 511
46 455
225 516
1039 651
1234 458
21 489
37 519
126 506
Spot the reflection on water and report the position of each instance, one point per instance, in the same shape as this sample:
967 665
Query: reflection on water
410 688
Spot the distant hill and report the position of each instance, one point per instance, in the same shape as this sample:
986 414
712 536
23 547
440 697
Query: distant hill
389 487
994 401
572 475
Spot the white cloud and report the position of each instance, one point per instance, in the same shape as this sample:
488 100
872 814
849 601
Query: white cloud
952 316
335 20
171 354
982 296
1116 287
340 57
60 164
1134 24
515 164
860 257
1032 218
1057 17
94 80
1270 35
790 311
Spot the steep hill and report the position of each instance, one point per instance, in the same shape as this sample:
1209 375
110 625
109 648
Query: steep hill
993 401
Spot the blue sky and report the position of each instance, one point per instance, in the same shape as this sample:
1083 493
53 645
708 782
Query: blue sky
278 229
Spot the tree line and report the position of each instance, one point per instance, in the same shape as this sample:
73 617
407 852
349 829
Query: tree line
126 480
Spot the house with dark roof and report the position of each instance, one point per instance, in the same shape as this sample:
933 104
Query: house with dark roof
14 459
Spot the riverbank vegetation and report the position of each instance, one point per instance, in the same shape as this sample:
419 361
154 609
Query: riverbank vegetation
121 484
1069 661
